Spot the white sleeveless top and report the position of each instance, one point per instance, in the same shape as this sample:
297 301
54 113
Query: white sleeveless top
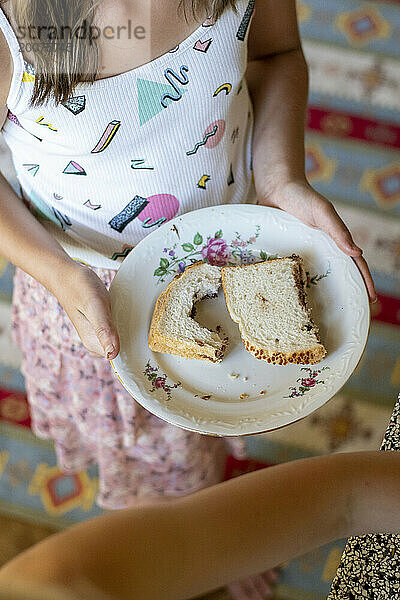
127 153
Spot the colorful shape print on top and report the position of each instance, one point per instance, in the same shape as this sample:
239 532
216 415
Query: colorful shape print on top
39 208
128 213
32 169
126 249
151 211
235 135
208 22
27 78
120 153
73 168
225 87
160 208
231 178
76 104
90 204
203 181
11 117
182 78
149 98
211 138
139 163
244 25
202 46
29 73
203 141
63 221
40 120
107 136
213 141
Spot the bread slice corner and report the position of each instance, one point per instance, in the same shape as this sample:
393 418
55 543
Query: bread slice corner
173 329
269 302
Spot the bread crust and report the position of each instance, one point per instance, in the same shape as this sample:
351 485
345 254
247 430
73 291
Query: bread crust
299 357
310 356
191 350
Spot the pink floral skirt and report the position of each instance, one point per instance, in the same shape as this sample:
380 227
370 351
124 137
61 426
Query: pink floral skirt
77 401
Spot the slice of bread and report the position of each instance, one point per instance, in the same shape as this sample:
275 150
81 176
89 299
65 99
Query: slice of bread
268 300
173 329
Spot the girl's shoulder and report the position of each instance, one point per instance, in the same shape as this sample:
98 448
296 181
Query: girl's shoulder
6 62
6 71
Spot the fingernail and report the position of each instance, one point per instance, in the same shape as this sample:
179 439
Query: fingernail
110 350
375 300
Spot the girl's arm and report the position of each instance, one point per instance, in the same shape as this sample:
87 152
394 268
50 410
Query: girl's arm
23 240
177 549
27 244
6 71
277 77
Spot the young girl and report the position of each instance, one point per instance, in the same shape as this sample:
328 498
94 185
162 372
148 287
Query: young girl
120 115
192 545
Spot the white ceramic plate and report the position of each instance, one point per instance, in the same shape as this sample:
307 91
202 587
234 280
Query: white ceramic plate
241 395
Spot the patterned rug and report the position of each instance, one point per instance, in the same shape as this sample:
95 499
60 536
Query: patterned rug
353 151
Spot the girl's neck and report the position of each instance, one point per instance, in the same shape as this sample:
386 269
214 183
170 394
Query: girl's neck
153 28
131 33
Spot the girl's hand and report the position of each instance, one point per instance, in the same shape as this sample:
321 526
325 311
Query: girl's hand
86 301
302 201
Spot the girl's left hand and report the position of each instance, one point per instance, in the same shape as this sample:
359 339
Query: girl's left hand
302 201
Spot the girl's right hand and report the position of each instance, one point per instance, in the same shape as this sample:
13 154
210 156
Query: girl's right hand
86 301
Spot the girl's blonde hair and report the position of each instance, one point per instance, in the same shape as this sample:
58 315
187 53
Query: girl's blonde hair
68 59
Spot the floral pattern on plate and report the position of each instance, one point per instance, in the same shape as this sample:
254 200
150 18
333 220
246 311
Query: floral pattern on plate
159 382
213 249
306 383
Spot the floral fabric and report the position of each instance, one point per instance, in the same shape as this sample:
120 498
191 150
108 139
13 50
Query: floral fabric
77 401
